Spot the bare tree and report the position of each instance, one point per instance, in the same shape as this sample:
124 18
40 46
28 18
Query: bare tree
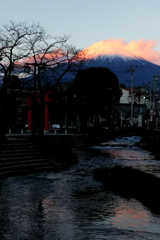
24 44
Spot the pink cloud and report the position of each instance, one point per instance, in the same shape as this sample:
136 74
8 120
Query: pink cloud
140 48
145 49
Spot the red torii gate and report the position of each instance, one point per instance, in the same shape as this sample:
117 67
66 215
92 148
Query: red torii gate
29 101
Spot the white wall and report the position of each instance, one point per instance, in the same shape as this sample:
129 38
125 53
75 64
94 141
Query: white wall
125 97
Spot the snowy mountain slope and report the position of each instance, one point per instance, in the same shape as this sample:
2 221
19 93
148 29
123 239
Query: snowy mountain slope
144 70
114 55
118 58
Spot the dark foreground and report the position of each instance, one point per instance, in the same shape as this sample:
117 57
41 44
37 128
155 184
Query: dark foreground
130 182
69 204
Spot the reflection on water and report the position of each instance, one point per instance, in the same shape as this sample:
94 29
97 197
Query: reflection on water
72 205
130 155
134 216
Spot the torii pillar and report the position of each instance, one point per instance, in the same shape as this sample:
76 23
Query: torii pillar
46 112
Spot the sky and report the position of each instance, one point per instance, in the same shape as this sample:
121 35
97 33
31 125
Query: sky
91 21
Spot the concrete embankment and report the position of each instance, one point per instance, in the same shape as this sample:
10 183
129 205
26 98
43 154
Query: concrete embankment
19 155
129 182
151 140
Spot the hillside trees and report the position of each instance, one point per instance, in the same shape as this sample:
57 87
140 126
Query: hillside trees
29 44
96 90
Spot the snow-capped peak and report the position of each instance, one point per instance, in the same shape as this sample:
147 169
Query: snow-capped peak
110 48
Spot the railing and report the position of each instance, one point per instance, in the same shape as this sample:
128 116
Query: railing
155 125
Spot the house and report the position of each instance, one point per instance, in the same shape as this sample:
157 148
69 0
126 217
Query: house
139 101
139 105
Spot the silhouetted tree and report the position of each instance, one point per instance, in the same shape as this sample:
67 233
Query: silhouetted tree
24 44
96 90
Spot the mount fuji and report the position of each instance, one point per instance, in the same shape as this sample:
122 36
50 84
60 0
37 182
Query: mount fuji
119 60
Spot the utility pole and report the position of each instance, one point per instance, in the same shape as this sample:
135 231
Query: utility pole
139 99
131 70
155 88
150 101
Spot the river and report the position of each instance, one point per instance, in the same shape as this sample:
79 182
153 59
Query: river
71 205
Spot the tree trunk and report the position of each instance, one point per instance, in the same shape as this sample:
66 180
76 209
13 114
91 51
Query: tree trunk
41 117
3 115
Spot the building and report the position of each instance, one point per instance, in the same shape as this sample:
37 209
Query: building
139 106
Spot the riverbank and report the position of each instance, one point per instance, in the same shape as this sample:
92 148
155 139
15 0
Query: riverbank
60 147
54 150
131 183
151 140
20 155
70 204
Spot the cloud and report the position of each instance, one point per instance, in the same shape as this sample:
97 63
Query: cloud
140 48
144 49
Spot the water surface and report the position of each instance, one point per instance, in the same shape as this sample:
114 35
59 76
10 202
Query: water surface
70 204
